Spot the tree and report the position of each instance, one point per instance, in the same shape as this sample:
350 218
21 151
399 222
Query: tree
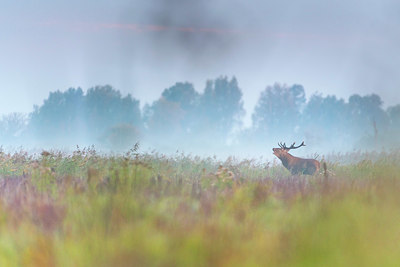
325 121
220 108
172 115
183 94
73 117
60 115
278 111
12 127
163 119
392 137
186 97
394 116
105 108
367 115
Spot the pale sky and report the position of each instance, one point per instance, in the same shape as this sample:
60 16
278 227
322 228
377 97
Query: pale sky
143 47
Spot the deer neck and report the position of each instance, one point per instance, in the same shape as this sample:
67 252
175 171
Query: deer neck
286 159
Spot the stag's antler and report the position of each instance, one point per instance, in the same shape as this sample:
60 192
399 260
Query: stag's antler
291 147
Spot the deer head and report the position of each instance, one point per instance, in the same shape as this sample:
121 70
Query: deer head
283 149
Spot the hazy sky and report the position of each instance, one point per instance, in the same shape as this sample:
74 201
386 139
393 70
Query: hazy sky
143 47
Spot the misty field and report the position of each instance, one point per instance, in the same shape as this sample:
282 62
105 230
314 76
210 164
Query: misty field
146 209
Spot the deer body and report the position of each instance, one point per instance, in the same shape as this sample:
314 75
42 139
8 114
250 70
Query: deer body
294 164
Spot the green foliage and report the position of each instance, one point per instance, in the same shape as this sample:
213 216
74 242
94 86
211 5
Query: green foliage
87 209
12 127
105 108
60 115
186 119
181 113
278 110
221 106
73 116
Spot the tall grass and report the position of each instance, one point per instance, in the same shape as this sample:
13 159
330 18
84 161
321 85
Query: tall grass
87 209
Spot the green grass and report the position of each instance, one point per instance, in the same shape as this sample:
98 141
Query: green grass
87 209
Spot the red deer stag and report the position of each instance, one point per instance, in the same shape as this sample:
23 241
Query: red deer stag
294 164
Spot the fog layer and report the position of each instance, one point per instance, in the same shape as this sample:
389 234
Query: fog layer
206 123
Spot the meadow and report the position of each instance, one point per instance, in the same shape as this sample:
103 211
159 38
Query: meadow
148 209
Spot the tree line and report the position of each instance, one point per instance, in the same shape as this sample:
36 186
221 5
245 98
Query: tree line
212 119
